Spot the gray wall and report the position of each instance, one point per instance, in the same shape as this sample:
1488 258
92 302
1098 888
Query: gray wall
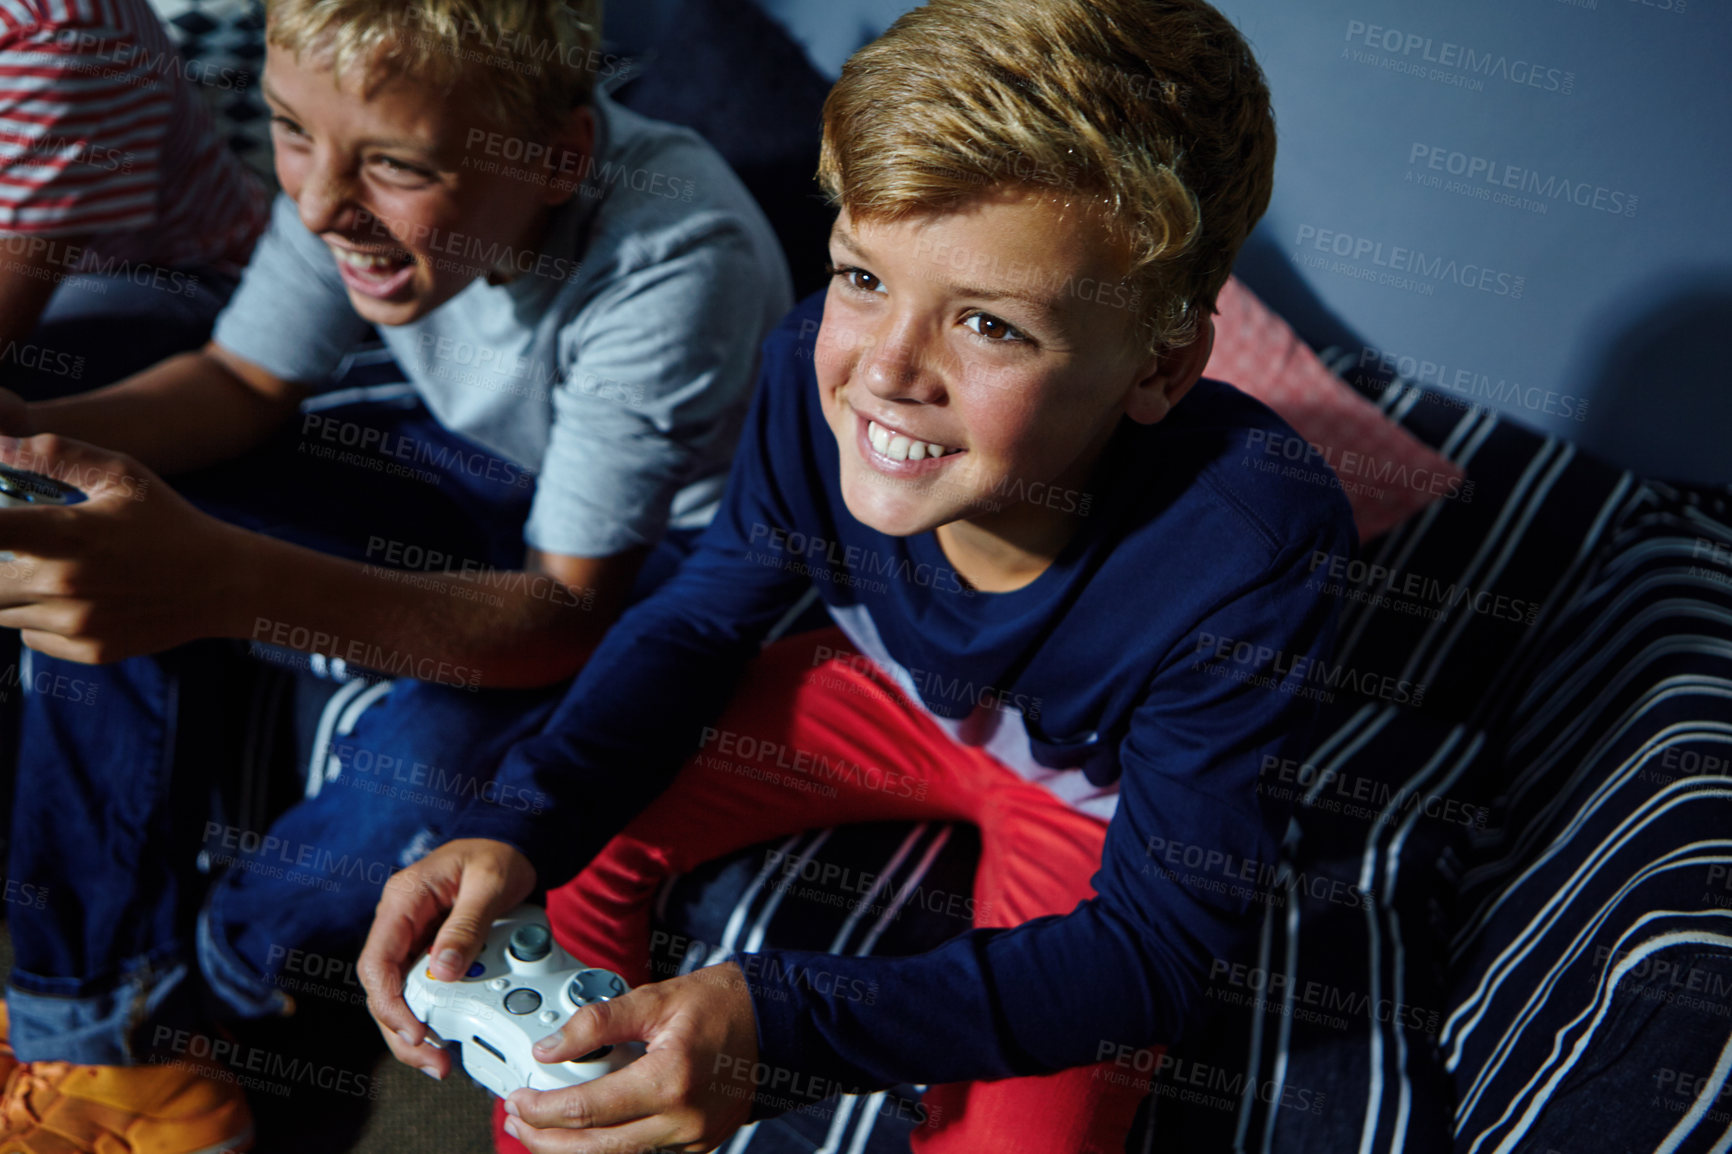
1523 201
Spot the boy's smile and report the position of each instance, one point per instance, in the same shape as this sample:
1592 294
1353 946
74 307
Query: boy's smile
381 173
969 354
900 454
380 274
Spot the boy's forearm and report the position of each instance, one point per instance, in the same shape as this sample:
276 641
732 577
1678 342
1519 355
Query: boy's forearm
636 712
492 628
28 279
994 1003
183 413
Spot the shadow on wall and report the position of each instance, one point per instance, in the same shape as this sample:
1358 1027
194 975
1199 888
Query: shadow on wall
726 69
1268 271
1659 382
1655 381
1265 268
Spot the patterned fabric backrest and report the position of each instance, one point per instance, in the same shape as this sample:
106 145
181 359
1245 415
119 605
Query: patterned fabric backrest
1324 1037
1592 954
222 45
1437 613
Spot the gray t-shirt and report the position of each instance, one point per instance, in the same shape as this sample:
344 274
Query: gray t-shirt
617 369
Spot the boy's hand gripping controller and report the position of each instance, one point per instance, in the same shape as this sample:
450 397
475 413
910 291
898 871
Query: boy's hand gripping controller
520 989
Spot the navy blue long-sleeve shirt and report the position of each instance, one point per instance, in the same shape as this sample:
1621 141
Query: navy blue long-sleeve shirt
1174 645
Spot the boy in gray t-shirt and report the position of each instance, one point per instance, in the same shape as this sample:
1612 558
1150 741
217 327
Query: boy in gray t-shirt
576 295
614 367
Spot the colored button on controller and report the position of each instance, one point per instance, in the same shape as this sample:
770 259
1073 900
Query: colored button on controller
476 969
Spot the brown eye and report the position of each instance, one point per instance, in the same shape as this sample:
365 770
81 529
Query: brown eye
855 278
991 328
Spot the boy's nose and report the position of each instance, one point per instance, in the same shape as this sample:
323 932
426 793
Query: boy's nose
895 368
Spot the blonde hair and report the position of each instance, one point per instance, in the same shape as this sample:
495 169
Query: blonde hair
526 62
1153 109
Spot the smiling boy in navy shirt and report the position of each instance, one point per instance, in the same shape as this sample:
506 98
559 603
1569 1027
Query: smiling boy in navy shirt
989 449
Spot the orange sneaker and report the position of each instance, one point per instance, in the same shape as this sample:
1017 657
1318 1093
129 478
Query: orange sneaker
60 1108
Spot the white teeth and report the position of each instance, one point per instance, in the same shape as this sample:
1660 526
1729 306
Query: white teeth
365 261
898 447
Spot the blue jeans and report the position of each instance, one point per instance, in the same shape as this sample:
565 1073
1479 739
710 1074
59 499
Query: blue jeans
93 331
146 911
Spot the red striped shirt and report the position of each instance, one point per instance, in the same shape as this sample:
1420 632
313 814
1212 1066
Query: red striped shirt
104 133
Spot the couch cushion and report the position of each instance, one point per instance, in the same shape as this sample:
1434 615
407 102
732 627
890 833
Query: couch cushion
1541 935
1386 472
1593 957
1439 612
1324 1036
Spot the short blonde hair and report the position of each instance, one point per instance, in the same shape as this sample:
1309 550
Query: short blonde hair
1154 109
526 62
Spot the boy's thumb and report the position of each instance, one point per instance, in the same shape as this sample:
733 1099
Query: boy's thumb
465 931
598 1023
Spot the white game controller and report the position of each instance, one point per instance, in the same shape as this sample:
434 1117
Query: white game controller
22 490
520 989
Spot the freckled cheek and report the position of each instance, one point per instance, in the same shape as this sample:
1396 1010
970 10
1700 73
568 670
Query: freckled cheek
290 172
988 398
403 224
414 236
1002 428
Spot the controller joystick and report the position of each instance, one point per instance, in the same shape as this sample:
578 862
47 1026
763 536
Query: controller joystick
530 942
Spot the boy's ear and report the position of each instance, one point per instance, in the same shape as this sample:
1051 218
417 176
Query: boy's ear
573 146
1170 375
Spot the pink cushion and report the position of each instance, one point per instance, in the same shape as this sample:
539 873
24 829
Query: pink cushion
1387 474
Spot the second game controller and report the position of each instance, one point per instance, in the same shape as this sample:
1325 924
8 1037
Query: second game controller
22 490
520 989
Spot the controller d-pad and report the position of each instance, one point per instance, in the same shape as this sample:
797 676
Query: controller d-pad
595 986
523 1001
